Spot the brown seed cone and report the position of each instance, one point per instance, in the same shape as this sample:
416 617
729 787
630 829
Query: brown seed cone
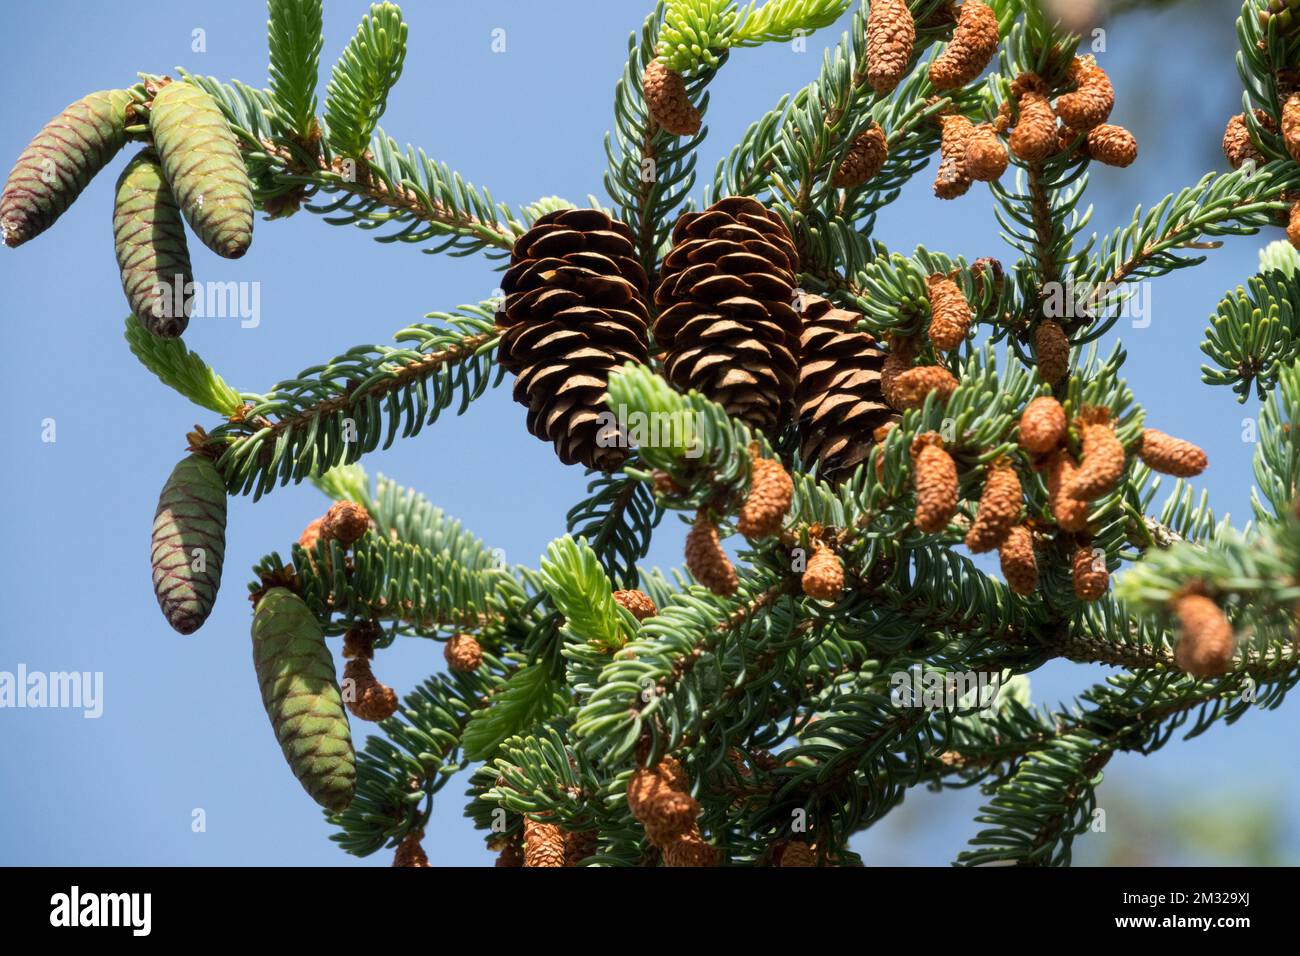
1071 514
1019 565
1091 103
638 603
463 653
1238 147
823 577
1088 570
1103 460
369 699
1171 456
840 401
1052 350
901 355
999 508
912 387
891 34
706 560
578 846
575 310
543 844
934 474
973 44
1291 125
726 322
1206 645
1293 230
1042 425
797 853
667 100
689 849
1035 137
950 313
986 156
953 179
770 492
310 535
345 522
1112 145
410 852
864 160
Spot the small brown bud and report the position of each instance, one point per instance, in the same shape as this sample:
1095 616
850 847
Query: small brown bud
1052 350
463 653
707 561
864 160
934 474
1093 99
999 508
1171 456
823 577
667 100
638 603
1238 147
1042 425
891 34
950 313
345 522
1113 145
1090 577
973 44
1206 645
770 492
1019 565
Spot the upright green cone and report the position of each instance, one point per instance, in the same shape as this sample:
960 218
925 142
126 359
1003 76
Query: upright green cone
189 543
296 674
201 159
60 162
151 250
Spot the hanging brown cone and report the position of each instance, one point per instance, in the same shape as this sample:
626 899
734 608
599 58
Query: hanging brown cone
1089 574
913 386
864 160
901 355
973 44
1042 425
1052 351
1112 145
365 696
1103 458
667 100
840 400
510 855
1293 230
999 508
797 853
1070 513
953 179
934 474
1171 456
463 653
647 782
1019 565
950 313
359 641
770 492
543 844
1291 125
345 522
891 34
1035 137
726 322
707 561
823 577
1206 644
689 850
986 156
668 814
638 603
574 311
1238 147
410 852
1091 103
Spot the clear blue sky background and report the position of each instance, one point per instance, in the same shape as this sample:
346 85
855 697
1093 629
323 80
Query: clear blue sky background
183 725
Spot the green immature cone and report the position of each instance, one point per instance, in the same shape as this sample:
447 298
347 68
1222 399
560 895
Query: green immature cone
201 159
152 254
296 674
60 162
189 543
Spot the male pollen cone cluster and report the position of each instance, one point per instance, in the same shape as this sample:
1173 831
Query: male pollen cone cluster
667 100
1034 138
891 35
823 577
1206 643
463 653
1238 146
905 386
706 560
1019 566
770 492
637 603
934 474
1103 457
864 159
659 799
1171 456
409 852
369 699
999 507
1088 574
953 180
950 313
1042 425
1052 351
974 41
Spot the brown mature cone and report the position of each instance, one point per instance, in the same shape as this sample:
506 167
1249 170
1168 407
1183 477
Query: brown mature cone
638 603
973 44
726 325
1206 645
707 561
410 852
797 853
574 311
1052 351
953 180
1019 565
950 313
543 844
840 400
1171 456
345 522
1293 230
1238 147
864 160
1042 425
1089 574
934 474
690 849
891 34
1103 458
1093 99
667 100
365 696
1035 137
771 490
1113 145
463 653
1291 125
913 386
986 157
999 508
1070 513
823 577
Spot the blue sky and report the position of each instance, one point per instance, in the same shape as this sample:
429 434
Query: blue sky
183 726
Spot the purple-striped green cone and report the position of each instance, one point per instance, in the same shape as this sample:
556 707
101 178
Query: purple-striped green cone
296 673
60 162
200 157
152 254
189 543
